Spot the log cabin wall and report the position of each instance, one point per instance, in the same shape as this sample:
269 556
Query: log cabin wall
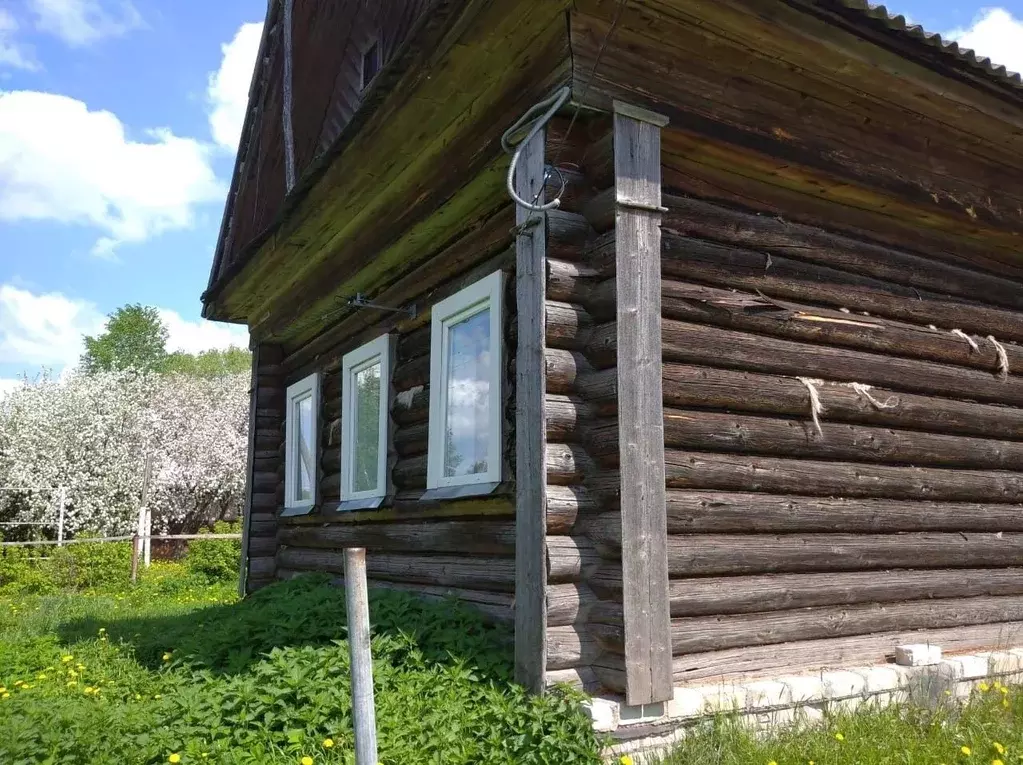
462 548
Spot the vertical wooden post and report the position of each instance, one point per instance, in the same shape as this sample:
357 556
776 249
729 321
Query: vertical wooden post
637 159
243 564
357 604
530 428
136 544
61 505
147 513
286 106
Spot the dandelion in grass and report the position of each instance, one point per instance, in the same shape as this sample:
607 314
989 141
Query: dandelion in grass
328 743
41 676
1005 690
966 751
839 737
167 656
5 695
307 760
997 762
175 757
983 686
1005 703
772 762
625 760
998 747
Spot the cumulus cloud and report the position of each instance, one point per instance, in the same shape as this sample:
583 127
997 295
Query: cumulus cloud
228 89
46 329
11 53
996 34
83 22
62 162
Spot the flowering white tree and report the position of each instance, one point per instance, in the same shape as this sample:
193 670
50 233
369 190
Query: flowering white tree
91 433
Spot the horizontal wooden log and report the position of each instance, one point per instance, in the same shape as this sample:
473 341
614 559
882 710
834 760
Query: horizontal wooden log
412 440
813 655
709 263
568 325
569 282
698 634
264 500
713 346
704 596
410 473
482 537
569 604
565 504
263 528
570 559
266 465
755 313
567 464
411 406
262 546
568 227
266 481
330 459
261 567
710 555
563 369
484 573
580 678
569 647
696 218
685 385
497 606
703 470
566 417
414 344
411 374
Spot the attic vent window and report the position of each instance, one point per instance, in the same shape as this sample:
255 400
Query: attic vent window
370 64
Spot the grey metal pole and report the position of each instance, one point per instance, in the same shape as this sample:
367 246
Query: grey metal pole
357 603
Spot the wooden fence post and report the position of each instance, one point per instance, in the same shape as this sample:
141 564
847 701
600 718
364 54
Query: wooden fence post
357 604
147 517
61 504
136 545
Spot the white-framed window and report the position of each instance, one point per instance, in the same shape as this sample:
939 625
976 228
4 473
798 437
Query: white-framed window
365 419
302 421
466 367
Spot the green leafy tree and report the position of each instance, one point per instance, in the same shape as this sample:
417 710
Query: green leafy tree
134 338
212 363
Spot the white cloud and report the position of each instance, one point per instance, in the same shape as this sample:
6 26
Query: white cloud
46 329
201 335
7 384
996 34
228 88
11 53
61 162
83 22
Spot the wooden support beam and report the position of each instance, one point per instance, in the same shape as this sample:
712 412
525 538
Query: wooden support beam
637 162
530 424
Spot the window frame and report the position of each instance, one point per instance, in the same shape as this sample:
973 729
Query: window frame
488 292
382 349
373 47
307 387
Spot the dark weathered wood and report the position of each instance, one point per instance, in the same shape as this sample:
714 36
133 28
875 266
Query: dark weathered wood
262 546
713 346
410 473
570 559
736 390
569 604
411 405
726 266
637 158
261 569
410 506
250 458
569 282
566 417
696 470
581 678
748 434
707 555
491 573
567 325
531 646
567 464
264 500
412 440
568 647
564 506
568 227
480 537
498 606
705 596
563 369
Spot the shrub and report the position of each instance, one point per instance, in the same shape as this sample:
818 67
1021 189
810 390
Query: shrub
216 559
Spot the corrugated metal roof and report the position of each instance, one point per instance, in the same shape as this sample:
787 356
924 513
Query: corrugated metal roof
898 23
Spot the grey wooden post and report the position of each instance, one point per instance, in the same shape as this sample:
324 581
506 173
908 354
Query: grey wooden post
530 427
357 605
637 160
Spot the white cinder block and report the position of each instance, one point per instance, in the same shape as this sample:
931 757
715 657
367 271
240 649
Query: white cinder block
603 713
840 683
880 679
966 667
803 688
687 702
723 698
1005 662
917 654
767 693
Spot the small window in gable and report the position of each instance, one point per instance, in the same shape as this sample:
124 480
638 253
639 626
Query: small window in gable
465 386
365 419
370 64
300 442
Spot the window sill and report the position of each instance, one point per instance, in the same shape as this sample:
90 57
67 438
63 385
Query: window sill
297 510
461 491
351 505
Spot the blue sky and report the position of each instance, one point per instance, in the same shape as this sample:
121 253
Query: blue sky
118 126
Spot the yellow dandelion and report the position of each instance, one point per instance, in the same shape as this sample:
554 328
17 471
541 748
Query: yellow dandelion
26 686
18 683
5 696
138 697
175 757
997 762
998 747
625 760
839 737
1005 690
984 686
328 743
1005 703
157 696
167 656
772 762
966 750
102 630
41 676
307 760
2 689
72 683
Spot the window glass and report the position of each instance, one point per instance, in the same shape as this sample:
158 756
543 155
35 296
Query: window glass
370 64
366 428
467 429
305 464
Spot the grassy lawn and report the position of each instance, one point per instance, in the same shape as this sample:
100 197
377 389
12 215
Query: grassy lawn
176 671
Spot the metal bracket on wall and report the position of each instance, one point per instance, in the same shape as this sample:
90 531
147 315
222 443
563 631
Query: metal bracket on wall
360 301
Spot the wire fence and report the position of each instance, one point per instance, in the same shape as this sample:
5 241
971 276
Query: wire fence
60 497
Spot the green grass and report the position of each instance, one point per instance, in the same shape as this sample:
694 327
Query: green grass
174 668
987 729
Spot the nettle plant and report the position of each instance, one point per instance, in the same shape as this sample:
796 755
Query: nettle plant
90 433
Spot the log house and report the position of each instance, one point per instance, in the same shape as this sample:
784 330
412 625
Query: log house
747 401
